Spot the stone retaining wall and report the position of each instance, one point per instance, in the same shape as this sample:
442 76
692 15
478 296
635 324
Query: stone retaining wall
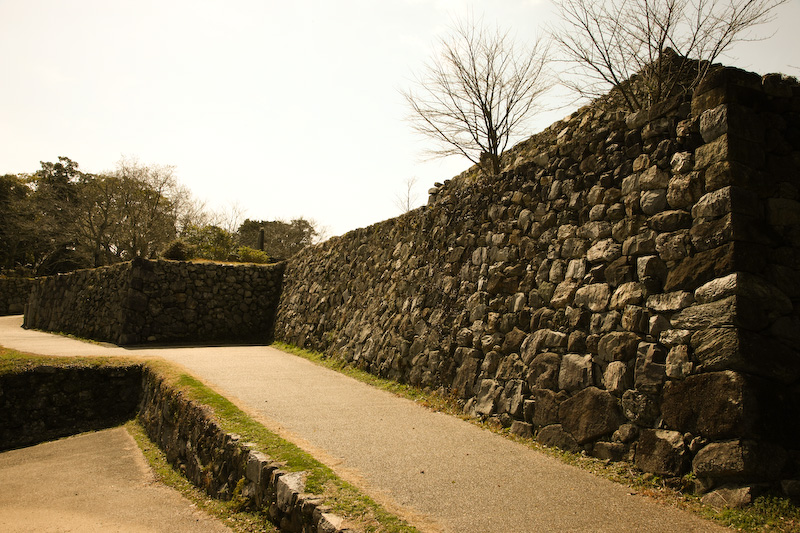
48 402
159 301
14 294
628 287
224 466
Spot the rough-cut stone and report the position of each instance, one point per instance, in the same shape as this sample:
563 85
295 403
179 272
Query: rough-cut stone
522 429
545 410
590 414
631 293
564 294
653 178
606 250
543 371
617 378
739 459
740 350
639 407
618 346
670 302
575 372
731 311
556 437
716 405
678 365
487 396
593 297
661 452
731 497
653 201
650 370
465 378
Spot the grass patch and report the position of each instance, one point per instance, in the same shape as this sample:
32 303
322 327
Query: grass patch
768 513
12 361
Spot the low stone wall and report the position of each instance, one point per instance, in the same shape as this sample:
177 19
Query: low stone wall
46 402
159 301
224 466
628 287
14 294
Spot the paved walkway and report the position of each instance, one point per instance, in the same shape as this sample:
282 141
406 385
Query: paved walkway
439 472
96 482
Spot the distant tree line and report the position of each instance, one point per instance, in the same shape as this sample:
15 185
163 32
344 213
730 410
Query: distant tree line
59 219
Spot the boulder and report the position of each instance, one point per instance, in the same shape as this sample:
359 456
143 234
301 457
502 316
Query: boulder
661 452
590 414
555 437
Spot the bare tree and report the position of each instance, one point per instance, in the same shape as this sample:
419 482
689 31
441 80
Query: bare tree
407 198
651 49
474 96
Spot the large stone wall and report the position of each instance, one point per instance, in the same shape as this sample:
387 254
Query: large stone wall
629 286
159 301
14 294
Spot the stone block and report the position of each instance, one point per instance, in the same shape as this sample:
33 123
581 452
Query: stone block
593 297
715 405
653 201
543 371
639 408
575 372
650 369
618 346
631 293
670 302
555 436
739 459
617 378
590 414
718 349
661 452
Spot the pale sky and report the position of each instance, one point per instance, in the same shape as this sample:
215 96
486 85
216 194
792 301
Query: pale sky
284 108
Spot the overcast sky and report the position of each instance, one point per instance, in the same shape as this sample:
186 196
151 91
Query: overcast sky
285 108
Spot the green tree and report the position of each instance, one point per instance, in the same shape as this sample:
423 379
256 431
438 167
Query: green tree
281 239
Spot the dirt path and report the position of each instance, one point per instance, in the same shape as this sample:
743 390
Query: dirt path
441 473
93 482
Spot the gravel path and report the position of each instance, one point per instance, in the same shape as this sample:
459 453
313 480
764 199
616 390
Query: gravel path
439 472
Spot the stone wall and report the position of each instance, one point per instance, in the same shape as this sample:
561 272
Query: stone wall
629 286
14 294
46 402
159 301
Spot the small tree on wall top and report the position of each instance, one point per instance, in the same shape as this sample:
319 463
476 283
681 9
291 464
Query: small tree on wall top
477 92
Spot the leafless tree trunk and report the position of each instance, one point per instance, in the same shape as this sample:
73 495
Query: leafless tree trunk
407 198
661 46
476 94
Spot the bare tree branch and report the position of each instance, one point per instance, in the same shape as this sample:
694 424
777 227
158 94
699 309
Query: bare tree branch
651 49
474 97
